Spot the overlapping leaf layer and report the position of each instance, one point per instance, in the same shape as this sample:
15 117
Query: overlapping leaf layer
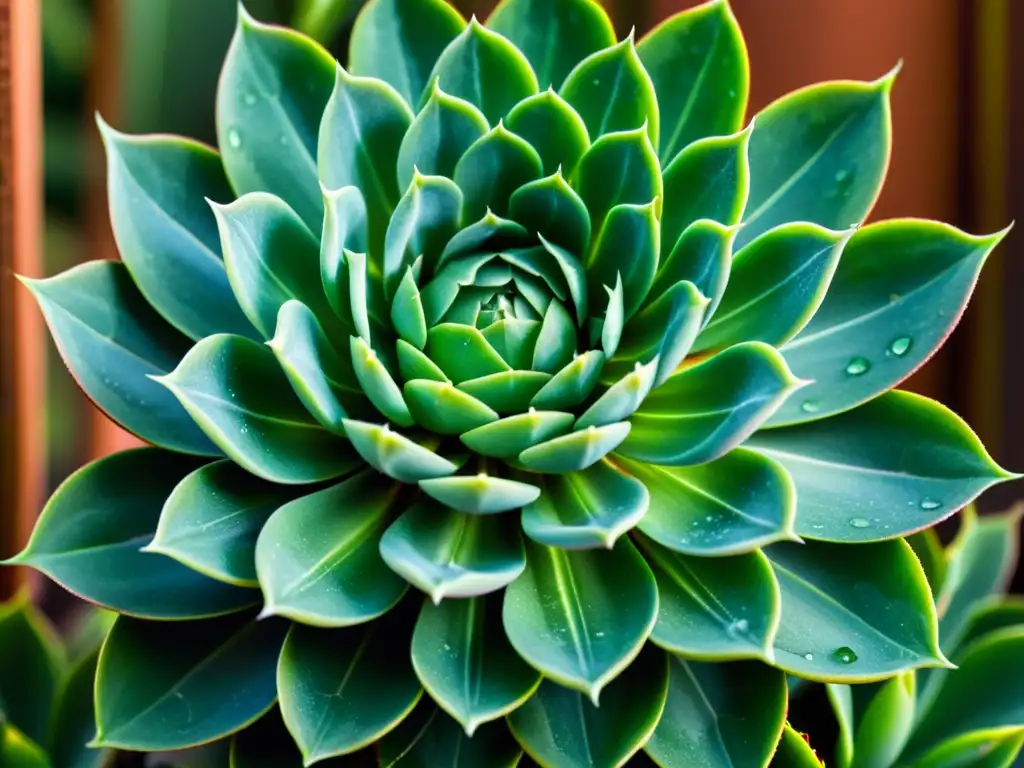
510 365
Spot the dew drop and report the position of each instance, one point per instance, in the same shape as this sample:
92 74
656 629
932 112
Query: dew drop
249 99
810 406
900 346
841 175
809 656
234 138
283 140
738 627
859 522
844 655
929 504
858 366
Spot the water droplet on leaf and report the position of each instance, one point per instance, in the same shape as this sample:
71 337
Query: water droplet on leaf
234 138
809 656
841 174
858 366
249 99
859 522
929 504
810 406
844 655
900 346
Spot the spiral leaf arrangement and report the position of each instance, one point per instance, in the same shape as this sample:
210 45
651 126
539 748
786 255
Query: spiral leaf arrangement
512 365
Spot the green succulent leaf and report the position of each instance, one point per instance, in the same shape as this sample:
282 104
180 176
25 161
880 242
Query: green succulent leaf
323 568
581 617
324 380
398 41
776 284
89 536
550 207
702 412
267 130
429 737
396 455
342 689
893 465
427 217
997 748
485 69
211 519
719 715
619 168
494 167
73 721
575 277
611 91
441 408
794 751
697 61
173 685
622 398
238 395
553 128
112 340
819 155
928 547
710 179
361 132
558 726
575 451
19 751
510 436
450 554
464 660
378 384
268 742
703 256
407 316
873 728
554 36
978 696
900 288
627 245
480 494
166 235
271 257
714 608
463 352
853 614
30 678
507 392
587 509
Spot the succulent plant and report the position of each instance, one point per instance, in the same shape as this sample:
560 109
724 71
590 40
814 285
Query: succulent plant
973 716
511 364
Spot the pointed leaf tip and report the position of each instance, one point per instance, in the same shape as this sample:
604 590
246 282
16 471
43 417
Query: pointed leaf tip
886 81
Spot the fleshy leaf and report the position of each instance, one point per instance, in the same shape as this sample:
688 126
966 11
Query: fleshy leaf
996 748
89 536
556 341
464 660
581 617
554 36
319 567
627 245
697 61
271 257
463 352
819 155
322 379
346 228
112 340
510 436
557 726
176 684
874 721
612 91
794 751
73 721
619 168
719 715
342 689
714 608
486 70
900 289
702 412
853 614
396 455
587 509
361 132
551 208
575 278
407 315
449 554
553 128
267 130
506 392
710 179
238 395
889 467
211 520
165 232
776 284
573 384
427 216
703 256
398 41
30 681
413 364
731 505
480 494
977 696
19 750
576 450
429 737
268 742
620 400
440 407
492 168
378 384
